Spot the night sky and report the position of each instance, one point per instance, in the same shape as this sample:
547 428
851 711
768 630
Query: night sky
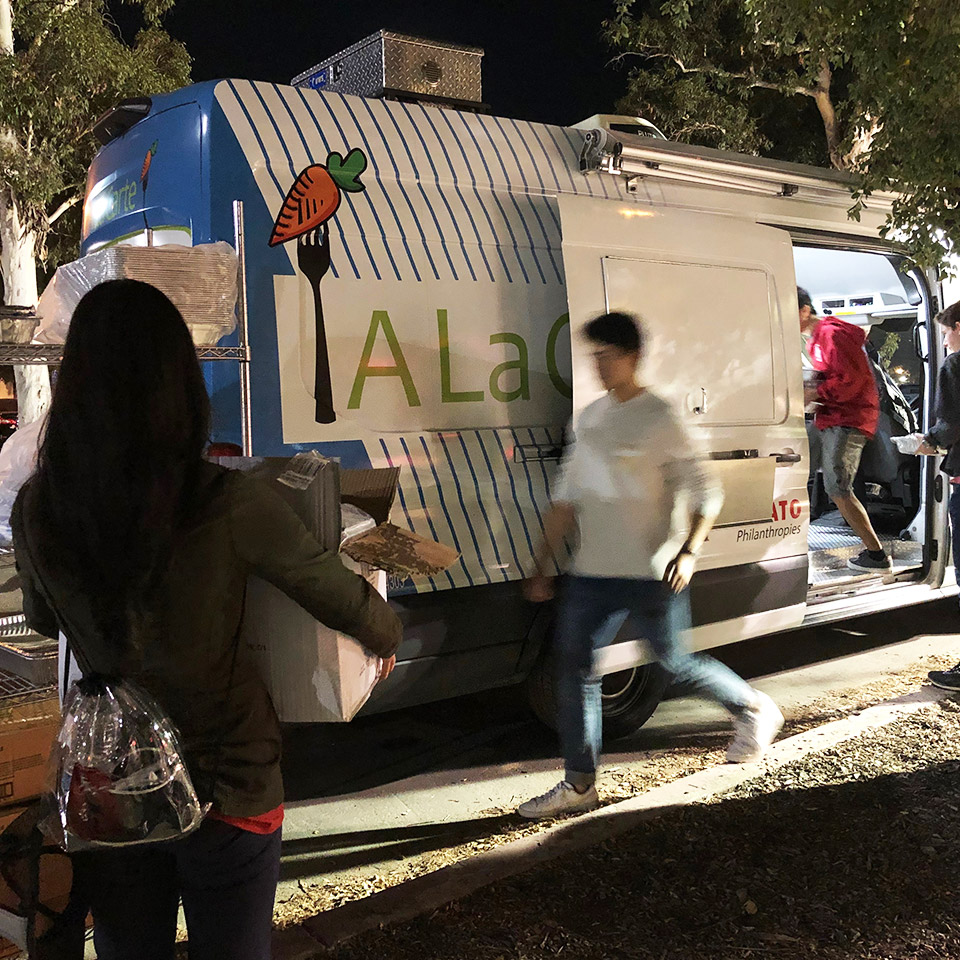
544 59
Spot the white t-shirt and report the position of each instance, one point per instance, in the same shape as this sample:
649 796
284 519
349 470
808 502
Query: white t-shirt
635 477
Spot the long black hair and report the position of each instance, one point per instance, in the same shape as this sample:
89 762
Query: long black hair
121 450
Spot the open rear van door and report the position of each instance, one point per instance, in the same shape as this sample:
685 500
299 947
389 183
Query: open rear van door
717 296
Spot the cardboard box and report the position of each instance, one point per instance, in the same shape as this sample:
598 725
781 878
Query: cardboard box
315 674
28 726
56 881
309 483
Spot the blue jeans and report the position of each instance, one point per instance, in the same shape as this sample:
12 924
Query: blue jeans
592 610
226 876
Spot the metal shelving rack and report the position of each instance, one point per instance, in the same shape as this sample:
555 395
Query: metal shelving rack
23 354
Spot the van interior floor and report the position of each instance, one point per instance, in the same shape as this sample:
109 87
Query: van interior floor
831 543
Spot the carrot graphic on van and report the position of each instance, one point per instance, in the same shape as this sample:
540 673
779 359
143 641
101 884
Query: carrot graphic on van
307 209
147 161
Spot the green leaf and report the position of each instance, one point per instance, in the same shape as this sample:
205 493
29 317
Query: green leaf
346 171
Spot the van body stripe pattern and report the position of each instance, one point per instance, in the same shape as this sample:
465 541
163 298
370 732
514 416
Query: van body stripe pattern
465 489
449 195
452 196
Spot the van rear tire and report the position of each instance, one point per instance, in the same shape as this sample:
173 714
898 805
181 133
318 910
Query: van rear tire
628 699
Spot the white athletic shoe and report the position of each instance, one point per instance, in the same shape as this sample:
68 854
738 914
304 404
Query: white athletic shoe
562 799
754 731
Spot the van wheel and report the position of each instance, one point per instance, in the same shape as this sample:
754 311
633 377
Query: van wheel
628 697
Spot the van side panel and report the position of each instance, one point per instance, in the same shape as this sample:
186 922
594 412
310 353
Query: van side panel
443 310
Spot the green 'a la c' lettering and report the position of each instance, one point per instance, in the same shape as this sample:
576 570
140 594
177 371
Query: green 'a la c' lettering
559 384
447 393
398 368
521 365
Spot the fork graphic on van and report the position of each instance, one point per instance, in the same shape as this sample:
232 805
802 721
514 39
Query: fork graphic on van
313 259
312 200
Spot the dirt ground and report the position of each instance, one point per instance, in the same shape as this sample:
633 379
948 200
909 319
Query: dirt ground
849 854
618 782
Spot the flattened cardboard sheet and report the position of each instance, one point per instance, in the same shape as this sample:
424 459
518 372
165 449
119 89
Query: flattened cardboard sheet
400 552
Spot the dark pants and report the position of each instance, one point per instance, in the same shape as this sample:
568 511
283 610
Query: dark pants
226 876
954 506
592 611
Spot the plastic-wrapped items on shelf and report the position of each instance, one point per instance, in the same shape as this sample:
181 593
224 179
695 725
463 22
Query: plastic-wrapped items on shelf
17 324
200 280
18 459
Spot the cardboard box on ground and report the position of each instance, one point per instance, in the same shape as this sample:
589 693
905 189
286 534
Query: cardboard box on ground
54 879
315 674
28 727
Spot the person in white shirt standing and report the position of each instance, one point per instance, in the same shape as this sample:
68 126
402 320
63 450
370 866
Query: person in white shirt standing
644 504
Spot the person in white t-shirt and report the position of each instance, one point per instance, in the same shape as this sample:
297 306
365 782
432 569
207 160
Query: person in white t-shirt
644 503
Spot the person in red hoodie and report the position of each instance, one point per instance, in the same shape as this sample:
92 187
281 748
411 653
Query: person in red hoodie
846 417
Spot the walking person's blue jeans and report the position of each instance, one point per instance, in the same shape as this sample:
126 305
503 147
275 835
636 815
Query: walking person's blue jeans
592 610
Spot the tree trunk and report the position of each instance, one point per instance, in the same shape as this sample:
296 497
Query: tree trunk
828 114
18 267
6 27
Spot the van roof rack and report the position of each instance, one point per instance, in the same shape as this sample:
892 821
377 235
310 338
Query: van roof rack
637 158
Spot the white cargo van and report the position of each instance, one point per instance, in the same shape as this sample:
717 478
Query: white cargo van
416 279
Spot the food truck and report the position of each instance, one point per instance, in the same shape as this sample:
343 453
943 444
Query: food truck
415 272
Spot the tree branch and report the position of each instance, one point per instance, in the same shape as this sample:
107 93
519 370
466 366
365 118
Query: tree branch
751 78
63 208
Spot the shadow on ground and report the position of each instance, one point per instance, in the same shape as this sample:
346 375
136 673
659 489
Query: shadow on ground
840 861
342 851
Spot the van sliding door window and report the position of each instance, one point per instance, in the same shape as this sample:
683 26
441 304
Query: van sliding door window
714 344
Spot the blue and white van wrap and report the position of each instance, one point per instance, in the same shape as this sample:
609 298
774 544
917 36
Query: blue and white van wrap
444 305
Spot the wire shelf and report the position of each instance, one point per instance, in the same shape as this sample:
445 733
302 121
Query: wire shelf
51 354
12 685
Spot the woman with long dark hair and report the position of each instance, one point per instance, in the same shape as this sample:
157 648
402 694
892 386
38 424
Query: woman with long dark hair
139 550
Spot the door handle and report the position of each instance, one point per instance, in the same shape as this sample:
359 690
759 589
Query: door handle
787 457
734 454
525 452
701 408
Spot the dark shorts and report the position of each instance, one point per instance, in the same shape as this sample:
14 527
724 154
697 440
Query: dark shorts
840 449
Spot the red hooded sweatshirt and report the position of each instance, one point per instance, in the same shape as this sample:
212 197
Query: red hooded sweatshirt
848 392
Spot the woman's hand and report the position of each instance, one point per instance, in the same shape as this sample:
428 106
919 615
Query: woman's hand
925 450
386 667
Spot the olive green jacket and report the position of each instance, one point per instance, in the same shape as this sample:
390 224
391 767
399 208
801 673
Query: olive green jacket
187 659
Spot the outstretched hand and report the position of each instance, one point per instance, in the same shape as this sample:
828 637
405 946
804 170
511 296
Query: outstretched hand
679 571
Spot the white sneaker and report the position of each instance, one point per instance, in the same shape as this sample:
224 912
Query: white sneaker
754 731
563 798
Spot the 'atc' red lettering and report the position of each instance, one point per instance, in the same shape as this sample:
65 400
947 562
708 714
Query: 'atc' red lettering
782 507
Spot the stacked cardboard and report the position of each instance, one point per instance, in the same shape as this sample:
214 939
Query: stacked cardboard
28 727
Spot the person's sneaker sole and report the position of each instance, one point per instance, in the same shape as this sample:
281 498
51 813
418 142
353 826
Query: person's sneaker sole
880 568
944 686
775 721
590 802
